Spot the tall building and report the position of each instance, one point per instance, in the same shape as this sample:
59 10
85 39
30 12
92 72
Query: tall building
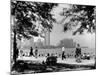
47 37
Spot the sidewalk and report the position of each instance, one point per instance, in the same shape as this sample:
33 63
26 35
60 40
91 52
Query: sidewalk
59 60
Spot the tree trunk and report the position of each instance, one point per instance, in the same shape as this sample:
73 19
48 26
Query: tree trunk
15 50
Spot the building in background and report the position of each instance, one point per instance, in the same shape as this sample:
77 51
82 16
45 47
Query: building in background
68 43
47 37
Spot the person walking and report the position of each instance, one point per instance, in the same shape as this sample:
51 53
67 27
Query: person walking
31 51
78 53
63 53
36 52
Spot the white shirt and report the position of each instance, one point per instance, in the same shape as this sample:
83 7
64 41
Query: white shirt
63 48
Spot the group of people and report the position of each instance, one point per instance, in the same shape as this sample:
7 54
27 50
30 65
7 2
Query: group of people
33 53
77 53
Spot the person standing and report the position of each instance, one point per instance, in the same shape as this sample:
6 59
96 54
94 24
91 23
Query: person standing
31 51
21 53
63 52
78 53
36 52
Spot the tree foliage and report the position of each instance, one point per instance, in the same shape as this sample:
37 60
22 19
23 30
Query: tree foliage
28 13
82 15
28 17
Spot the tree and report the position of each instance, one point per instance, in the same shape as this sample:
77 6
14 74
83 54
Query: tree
82 15
26 16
